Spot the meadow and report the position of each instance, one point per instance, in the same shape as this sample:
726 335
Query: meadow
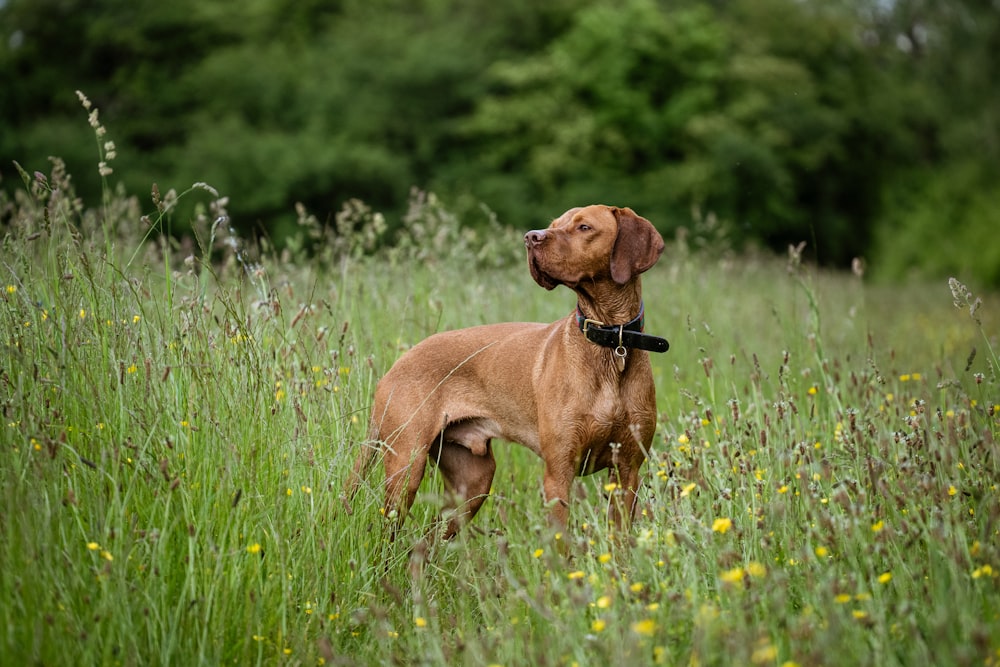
179 417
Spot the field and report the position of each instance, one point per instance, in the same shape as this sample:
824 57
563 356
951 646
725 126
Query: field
179 418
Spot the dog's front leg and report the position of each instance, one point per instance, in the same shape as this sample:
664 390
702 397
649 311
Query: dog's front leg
556 485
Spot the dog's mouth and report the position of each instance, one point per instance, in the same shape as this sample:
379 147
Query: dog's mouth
540 276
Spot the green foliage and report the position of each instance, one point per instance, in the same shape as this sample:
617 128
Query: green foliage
179 419
943 224
788 120
680 108
600 104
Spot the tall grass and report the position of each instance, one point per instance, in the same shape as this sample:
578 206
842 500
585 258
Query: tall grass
178 419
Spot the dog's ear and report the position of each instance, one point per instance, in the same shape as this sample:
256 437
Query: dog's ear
637 246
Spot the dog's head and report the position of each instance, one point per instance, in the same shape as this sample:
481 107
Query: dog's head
592 243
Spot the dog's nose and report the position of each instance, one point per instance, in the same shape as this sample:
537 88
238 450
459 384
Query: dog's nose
534 237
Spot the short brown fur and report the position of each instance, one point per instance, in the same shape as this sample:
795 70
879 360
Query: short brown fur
544 386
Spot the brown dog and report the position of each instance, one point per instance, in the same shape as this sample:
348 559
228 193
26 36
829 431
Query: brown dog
578 392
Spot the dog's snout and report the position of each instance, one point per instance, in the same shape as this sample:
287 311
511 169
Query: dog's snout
534 237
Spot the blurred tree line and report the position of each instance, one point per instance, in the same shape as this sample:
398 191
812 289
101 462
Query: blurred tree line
865 127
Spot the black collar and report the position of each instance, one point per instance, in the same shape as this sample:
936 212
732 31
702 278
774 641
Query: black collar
628 335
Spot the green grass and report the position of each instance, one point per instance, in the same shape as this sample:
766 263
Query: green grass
178 421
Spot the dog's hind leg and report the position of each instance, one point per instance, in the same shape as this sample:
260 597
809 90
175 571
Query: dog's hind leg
403 475
468 469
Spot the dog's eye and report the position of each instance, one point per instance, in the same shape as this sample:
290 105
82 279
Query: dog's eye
583 228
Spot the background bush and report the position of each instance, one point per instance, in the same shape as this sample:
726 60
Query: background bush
864 127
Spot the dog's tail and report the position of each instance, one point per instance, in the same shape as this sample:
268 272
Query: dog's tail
362 464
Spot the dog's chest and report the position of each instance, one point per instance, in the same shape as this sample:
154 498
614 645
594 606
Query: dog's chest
609 433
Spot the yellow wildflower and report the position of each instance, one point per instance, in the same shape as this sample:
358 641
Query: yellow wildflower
766 652
721 525
646 628
983 571
733 576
